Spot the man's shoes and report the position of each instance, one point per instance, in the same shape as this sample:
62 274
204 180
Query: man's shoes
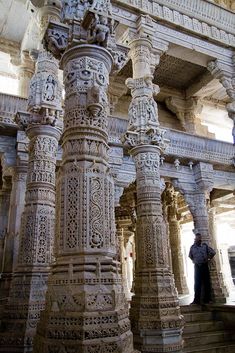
208 302
194 303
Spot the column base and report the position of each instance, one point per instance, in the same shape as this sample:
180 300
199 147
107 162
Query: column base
85 312
159 341
22 312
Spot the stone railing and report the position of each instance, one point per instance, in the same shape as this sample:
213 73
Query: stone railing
200 16
183 145
9 106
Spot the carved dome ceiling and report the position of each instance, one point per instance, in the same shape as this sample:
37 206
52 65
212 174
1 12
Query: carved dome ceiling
177 73
172 72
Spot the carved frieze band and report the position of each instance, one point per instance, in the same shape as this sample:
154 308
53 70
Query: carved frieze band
182 144
197 16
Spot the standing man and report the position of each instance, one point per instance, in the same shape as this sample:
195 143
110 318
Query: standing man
200 253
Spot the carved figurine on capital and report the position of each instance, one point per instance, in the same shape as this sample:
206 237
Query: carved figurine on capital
143 113
44 102
143 109
74 9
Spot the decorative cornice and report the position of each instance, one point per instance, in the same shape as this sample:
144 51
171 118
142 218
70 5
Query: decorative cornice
197 16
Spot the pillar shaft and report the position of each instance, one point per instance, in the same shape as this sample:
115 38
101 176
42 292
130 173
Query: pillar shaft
5 195
213 233
25 73
176 252
85 290
154 283
36 239
27 294
16 209
12 235
155 329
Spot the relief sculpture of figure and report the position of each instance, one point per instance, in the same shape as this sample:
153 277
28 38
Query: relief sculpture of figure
49 93
100 31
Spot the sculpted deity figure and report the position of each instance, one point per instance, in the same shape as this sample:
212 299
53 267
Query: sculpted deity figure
99 31
49 93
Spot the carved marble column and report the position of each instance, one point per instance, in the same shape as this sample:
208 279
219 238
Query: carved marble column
12 232
124 265
155 329
213 234
86 310
5 195
29 283
197 197
25 73
4 210
175 241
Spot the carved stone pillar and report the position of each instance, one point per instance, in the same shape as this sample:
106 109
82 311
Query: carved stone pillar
25 73
15 212
86 310
12 234
5 195
213 234
29 283
121 231
154 328
197 197
4 210
175 241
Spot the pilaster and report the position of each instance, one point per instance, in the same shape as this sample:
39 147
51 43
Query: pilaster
154 328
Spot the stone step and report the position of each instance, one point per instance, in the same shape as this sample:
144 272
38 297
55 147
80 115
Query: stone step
204 326
198 316
198 339
190 308
223 347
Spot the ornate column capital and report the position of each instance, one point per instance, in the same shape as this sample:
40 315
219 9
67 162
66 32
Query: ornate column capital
44 102
25 72
186 110
115 91
93 24
143 127
51 11
145 57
